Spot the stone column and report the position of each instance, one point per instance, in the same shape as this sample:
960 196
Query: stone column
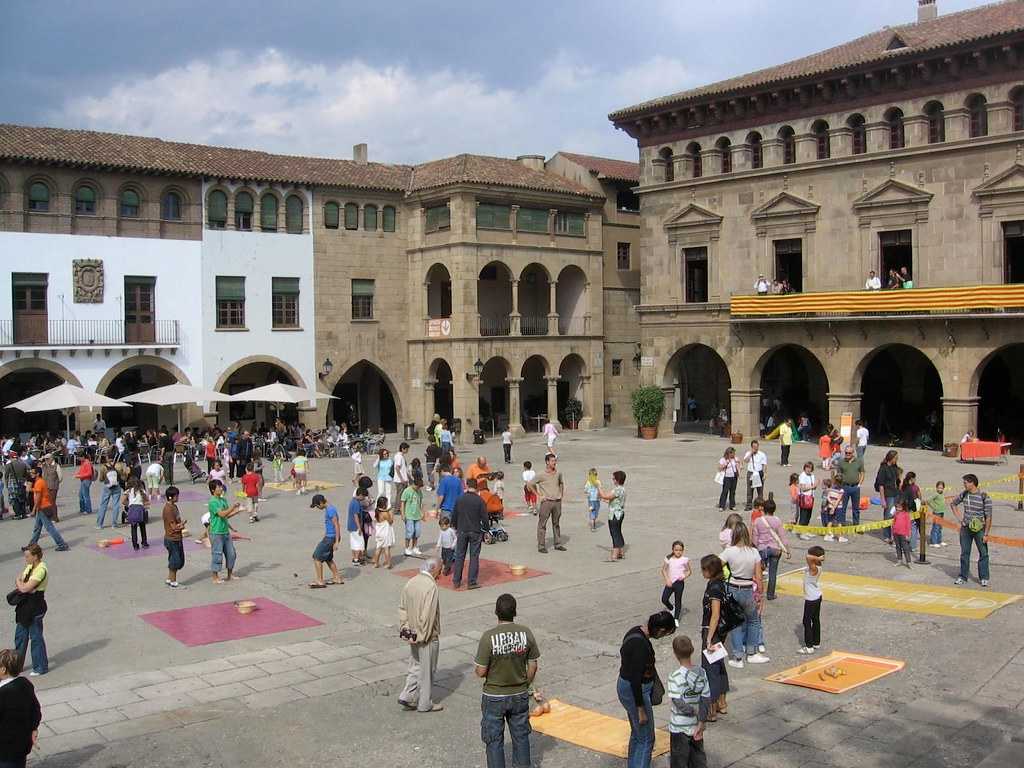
552 309
711 162
915 130
741 157
771 153
428 401
1000 117
514 316
553 399
587 419
959 414
514 419
877 136
682 166
668 422
745 412
958 123
841 142
839 403
806 147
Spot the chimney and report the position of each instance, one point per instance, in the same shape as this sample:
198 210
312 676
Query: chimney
359 153
533 162
927 10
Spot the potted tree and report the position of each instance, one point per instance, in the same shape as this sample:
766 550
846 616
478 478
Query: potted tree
572 413
648 405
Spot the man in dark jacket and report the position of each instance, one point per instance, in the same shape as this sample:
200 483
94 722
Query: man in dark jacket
470 517
19 711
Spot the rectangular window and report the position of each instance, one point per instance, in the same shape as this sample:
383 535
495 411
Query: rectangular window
897 250
789 266
532 220
284 298
622 256
695 278
351 216
230 302
389 218
332 216
439 217
616 367
490 216
1013 250
362 299
573 224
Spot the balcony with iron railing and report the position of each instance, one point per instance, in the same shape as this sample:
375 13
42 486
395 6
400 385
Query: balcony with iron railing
40 333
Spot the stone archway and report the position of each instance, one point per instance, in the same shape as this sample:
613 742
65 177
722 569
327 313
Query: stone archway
534 398
367 399
494 393
26 377
700 380
443 403
572 377
230 371
901 400
248 374
793 383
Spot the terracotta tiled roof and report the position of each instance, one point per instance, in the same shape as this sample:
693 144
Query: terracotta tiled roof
618 170
138 153
951 29
497 171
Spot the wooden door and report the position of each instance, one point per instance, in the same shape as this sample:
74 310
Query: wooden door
30 326
139 312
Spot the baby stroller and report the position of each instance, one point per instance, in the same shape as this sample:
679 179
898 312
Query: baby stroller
495 514
194 470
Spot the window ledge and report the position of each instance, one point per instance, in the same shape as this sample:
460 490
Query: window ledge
365 320
495 229
231 329
287 328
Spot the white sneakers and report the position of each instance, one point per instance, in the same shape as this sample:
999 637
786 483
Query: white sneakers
408 552
758 658
762 649
416 551
842 539
806 651
829 537
735 664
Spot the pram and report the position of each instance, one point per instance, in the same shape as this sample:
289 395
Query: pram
495 514
196 472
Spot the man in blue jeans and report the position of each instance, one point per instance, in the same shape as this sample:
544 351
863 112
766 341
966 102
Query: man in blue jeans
470 519
973 508
506 658
44 508
850 468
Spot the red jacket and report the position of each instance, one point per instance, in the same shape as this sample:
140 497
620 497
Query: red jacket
901 523
84 470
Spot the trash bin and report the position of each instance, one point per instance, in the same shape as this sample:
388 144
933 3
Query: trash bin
409 430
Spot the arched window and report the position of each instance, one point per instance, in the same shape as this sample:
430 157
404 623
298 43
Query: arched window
724 146
822 142
85 200
351 216
788 139
935 113
39 197
243 211
756 150
332 215
666 154
268 213
1017 103
370 218
977 107
130 204
695 159
217 210
389 218
859 134
897 136
293 215
170 207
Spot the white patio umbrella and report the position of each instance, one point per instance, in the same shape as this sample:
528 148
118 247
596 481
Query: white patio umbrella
280 393
177 395
66 397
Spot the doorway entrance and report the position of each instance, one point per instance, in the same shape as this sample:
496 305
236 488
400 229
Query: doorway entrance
1013 248
897 251
789 267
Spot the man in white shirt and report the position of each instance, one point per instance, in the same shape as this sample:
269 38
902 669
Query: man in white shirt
762 286
873 283
757 464
401 470
506 444
862 439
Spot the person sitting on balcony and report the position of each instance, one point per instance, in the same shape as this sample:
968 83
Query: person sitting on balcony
906 281
762 286
873 283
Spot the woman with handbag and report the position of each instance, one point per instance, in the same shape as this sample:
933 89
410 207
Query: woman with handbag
638 686
747 588
136 507
770 540
887 485
29 601
728 472
806 483
714 629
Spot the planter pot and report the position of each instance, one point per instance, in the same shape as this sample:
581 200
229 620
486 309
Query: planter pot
951 450
736 437
648 433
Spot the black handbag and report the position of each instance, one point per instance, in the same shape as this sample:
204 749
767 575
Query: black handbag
730 616
16 598
657 690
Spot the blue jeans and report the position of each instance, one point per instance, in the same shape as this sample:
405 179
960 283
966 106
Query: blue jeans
42 521
462 545
889 503
861 450
110 496
495 712
641 737
747 636
967 538
33 633
936 535
222 548
770 557
85 497
850 493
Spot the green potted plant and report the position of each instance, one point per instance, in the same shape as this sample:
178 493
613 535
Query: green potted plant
572 413
648 405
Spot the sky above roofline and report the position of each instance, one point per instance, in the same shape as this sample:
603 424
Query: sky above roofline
415 80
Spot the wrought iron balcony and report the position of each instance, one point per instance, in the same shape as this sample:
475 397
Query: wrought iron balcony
33 332
495 325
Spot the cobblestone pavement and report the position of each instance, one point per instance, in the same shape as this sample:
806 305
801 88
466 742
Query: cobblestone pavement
121 693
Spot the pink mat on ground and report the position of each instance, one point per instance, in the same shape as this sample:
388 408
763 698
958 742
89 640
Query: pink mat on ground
126 552
217 622
492 572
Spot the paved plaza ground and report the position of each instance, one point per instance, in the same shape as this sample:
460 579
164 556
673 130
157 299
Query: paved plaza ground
122 693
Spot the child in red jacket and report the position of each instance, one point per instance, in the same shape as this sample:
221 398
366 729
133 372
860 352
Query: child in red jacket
901 532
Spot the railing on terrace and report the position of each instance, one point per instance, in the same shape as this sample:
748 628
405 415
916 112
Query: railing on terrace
497 325
965 299
88 333
533 325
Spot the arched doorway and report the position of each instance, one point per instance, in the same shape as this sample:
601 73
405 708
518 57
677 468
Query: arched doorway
570 386
252 415
133 380
494 299
444 403
793 383
494 393
19 384
533 392
701 381
902 397
570 301
439 292
534 300
1001 397
366 399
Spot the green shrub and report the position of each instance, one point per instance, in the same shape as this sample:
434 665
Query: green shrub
648 405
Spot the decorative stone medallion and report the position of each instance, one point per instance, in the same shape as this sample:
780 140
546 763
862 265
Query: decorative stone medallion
88 280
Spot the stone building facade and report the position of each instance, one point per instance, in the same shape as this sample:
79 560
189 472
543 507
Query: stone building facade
902 149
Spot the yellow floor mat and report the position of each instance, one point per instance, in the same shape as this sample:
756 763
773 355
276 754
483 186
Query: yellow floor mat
838 672
958 602
311 486
592 730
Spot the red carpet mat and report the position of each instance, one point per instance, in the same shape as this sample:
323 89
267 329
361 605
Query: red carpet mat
492 573
217 622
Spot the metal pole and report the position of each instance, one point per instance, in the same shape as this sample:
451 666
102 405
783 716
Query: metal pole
1020 487
922 557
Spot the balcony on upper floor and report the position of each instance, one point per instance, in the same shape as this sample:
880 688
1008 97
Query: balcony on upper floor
29 331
